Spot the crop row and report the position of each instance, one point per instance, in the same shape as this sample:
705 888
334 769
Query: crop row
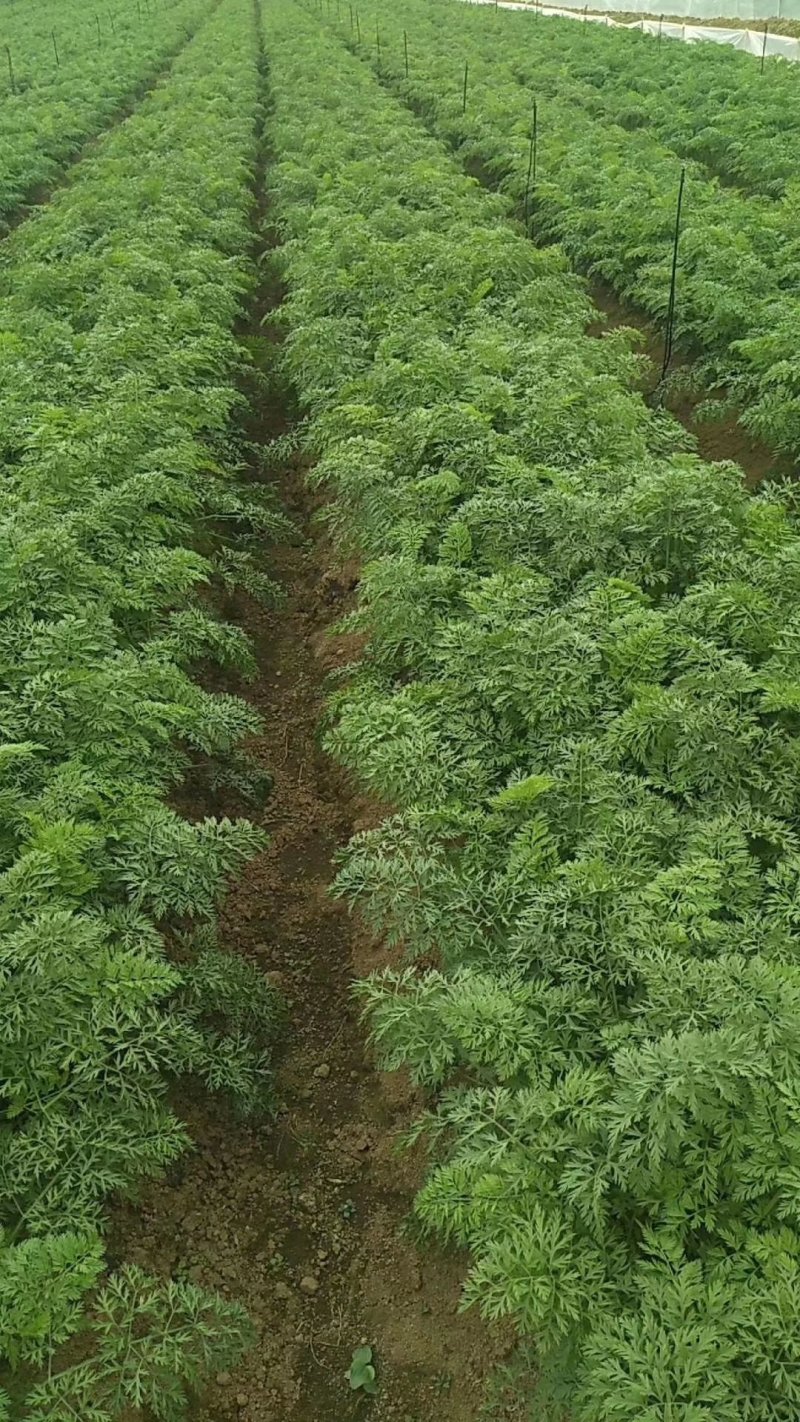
72 72
608 195
705 102
580 694
119 490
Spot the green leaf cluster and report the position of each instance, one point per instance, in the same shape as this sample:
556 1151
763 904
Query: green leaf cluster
152 1344
361 1374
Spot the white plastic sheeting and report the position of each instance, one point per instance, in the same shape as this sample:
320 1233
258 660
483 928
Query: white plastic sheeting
751 41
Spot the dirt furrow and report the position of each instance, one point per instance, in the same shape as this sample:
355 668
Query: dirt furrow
303 1220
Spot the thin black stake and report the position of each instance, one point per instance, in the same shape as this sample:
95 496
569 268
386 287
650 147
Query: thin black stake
764 45
531 179
405 50
11 78
338 11
99 35
670 329
378 42
464 95
660 23
351 18
358 28
55 49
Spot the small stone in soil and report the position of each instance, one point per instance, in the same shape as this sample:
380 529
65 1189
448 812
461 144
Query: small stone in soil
323 1071
223 1379
309 1284
282 1291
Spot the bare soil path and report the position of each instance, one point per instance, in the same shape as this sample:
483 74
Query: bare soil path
303 1220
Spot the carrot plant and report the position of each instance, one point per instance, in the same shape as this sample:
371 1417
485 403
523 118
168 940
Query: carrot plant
120 507
579 694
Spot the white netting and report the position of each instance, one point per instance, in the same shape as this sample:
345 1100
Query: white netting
751 41
706 9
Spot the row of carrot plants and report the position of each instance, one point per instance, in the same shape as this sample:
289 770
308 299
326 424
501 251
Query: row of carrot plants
579 693
609 196
70 69
706 102
122 522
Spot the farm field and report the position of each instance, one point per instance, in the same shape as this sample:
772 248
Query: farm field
67 72
400 739
608 195
706 103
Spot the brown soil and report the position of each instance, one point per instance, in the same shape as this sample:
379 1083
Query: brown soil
320 1198
303 1220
